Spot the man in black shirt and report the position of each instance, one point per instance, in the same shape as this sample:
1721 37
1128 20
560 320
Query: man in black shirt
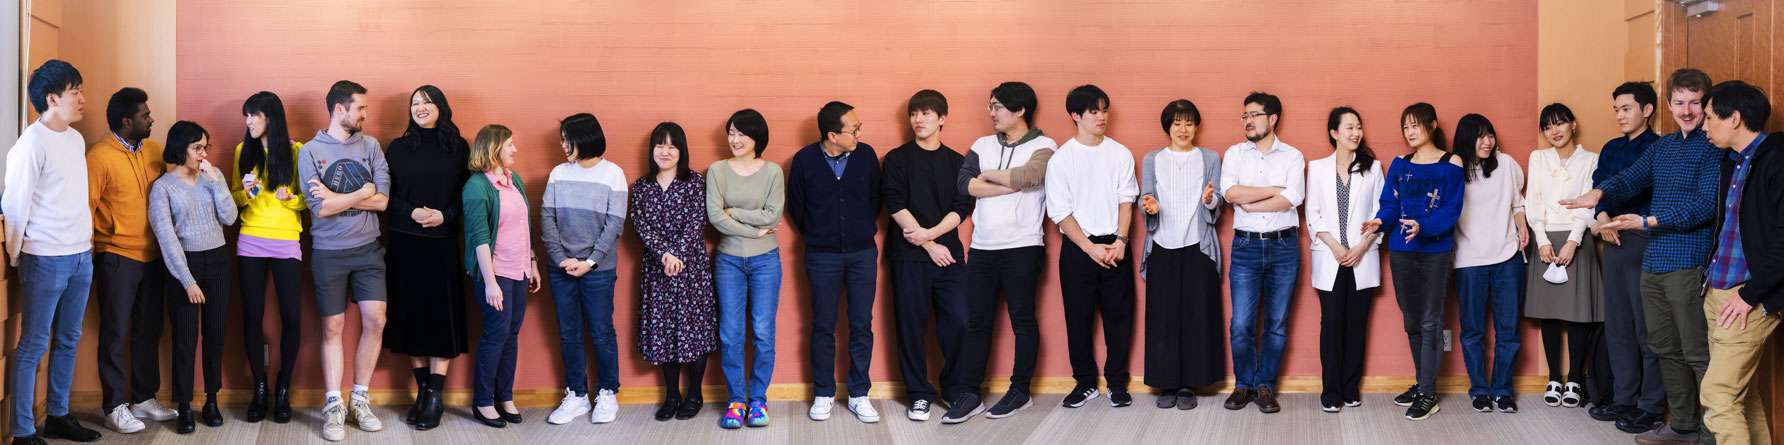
929 263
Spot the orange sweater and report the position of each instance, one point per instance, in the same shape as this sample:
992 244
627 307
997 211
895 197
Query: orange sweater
118 182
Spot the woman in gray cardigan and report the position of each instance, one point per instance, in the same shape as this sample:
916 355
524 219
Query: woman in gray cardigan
1185 335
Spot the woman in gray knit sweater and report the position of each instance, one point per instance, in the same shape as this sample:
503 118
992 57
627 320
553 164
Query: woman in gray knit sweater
188 208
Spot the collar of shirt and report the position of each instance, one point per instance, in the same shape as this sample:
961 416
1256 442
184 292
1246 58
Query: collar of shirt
838 163
1276 146
1746 154
127 145
503 181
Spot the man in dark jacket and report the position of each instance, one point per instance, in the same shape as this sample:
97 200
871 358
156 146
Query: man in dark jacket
1748 266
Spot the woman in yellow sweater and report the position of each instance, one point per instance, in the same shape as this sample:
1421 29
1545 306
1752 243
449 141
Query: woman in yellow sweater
264 181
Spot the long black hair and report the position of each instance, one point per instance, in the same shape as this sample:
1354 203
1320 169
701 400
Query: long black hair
669 133
443 122
1469 130
1364 156
275 162
1425 115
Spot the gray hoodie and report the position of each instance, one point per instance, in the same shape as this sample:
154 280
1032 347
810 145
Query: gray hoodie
344 167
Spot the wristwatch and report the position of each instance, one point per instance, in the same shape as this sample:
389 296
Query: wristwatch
1123 239
590 262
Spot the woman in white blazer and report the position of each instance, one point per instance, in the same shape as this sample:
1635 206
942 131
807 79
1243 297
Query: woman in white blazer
1341 195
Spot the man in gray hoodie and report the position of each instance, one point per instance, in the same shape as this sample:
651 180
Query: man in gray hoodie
347 185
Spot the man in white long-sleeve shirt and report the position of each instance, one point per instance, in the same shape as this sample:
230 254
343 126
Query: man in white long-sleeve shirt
49 237
1264 180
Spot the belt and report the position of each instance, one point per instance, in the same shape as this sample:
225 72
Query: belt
1280 234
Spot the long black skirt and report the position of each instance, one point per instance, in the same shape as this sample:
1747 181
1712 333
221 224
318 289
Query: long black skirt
1185 322
426 313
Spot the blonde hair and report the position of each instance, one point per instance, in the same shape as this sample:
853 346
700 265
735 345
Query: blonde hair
486 150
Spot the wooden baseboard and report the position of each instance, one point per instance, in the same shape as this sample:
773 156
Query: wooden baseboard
800 391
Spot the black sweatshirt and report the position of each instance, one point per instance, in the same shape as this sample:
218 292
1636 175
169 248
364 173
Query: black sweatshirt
923 182
1762 226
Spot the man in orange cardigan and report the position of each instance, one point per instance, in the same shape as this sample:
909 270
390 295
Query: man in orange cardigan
127 263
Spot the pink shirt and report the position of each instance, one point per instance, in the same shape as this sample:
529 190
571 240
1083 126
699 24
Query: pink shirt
513 248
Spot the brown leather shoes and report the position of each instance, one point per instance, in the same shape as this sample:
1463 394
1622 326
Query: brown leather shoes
1266 400
1240 398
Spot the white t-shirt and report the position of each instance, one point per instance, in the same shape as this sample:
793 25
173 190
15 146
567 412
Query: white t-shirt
46 194
1090 183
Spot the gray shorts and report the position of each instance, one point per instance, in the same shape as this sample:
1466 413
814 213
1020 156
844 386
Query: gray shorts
334 270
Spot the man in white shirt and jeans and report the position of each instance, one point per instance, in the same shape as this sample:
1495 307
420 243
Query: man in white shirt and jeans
1090 195
49 237
1264 180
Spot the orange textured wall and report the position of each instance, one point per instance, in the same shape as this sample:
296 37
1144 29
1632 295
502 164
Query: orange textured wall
526 64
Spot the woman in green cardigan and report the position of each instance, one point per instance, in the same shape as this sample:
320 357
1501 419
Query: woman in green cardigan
499 258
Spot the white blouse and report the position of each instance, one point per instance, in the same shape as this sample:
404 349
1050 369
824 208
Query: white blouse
1553 179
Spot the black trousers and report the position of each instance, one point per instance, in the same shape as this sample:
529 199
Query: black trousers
1088 288
918 287
1186 334
129 307
211 269
1343 335
1014 273
287 276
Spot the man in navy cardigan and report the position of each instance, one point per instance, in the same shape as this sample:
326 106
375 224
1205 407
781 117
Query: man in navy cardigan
833 199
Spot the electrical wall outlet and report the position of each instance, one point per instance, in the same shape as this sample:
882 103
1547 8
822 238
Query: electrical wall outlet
1446 340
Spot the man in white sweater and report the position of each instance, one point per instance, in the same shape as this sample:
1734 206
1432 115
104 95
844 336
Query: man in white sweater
49 237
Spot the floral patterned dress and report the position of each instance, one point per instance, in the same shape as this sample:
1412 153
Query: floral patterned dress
678 316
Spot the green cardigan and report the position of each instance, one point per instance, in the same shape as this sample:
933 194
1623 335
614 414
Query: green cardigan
482 213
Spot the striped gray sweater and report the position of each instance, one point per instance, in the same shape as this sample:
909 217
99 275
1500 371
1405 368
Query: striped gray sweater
583 213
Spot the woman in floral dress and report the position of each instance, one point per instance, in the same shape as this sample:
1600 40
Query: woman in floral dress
678 317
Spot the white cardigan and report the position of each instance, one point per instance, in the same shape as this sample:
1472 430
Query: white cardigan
1322 216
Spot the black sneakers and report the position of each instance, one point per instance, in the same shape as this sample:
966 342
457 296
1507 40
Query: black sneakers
1506 404
1406 398
1078 396
1118 399
1012 401
1608 413
962 408
1483 404
1423 406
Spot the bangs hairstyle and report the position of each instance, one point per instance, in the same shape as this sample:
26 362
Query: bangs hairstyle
668 133
442 120
275 163
182 135
583 132
486 151
1017 96
1733 96
1084 98
52 78
750 122
1469 130
1554 114
928 100
1425 116
1364 155
1179 109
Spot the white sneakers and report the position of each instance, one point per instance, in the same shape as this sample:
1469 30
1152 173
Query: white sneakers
606 407
821 406
122 421
152 410
334 422
360 406
572 407
863 409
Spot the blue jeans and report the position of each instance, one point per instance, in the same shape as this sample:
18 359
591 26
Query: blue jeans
1497 291
55 300
492 379
831 275
749 294
586 300
1262 277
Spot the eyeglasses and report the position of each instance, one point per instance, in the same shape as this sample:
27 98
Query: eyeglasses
1248 116
856 133
994 106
